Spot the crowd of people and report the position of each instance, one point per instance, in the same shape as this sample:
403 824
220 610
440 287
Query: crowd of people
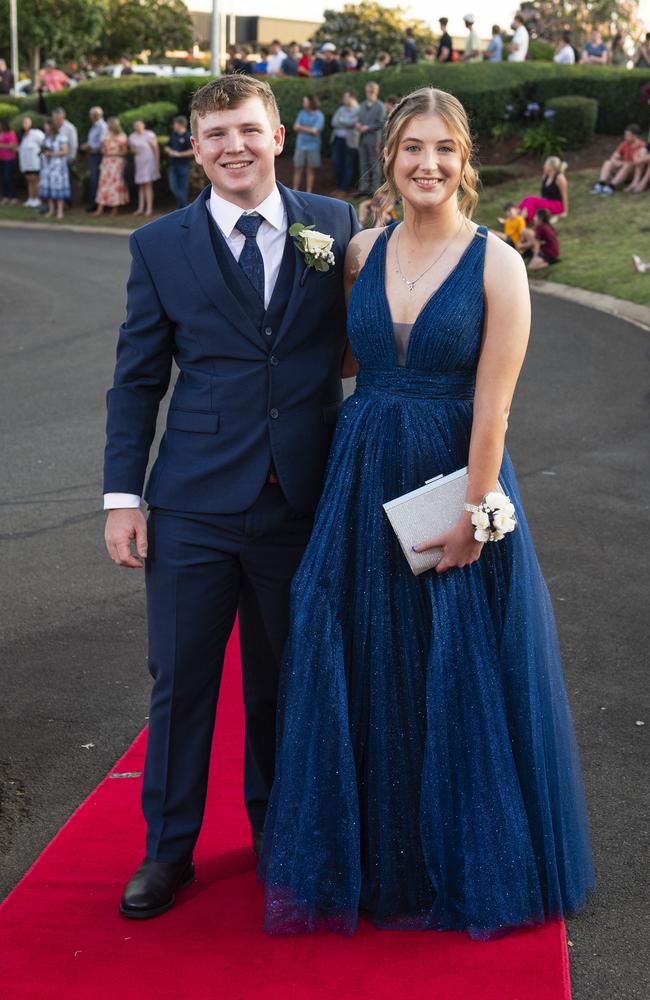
307 61
45 157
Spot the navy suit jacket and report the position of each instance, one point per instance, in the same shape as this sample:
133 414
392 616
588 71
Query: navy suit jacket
243 400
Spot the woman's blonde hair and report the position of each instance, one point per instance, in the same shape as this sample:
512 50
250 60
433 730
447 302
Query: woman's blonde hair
428 101
114 125
556 164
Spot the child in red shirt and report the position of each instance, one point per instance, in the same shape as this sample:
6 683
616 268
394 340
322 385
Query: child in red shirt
621 164
546 245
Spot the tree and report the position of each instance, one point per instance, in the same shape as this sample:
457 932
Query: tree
153 25
56 30
372 27
547 19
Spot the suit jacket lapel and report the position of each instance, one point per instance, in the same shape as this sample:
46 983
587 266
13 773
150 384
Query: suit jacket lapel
197 245
297 211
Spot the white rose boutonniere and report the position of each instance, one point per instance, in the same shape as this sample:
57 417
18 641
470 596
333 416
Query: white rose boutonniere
315 247
493 518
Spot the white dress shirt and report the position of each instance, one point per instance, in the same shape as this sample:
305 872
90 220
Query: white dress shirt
271 239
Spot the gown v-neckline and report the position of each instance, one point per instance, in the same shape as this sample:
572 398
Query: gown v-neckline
425 304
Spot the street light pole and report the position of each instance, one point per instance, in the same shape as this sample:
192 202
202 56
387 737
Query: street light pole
13 29
215 39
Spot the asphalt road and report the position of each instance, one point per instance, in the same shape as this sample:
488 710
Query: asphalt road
73 668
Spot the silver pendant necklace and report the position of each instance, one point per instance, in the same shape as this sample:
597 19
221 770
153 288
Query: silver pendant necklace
410 284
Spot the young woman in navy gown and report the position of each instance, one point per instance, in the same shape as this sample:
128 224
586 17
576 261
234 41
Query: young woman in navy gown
427 772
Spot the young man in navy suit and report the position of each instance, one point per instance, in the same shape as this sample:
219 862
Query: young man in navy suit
258 337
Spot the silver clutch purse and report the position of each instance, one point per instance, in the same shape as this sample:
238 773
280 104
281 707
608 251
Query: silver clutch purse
426 513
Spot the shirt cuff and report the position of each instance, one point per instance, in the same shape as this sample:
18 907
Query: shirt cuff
115 501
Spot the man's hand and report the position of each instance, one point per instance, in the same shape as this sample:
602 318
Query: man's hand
123 525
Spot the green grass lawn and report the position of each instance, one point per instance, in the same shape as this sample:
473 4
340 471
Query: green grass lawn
76 217
597 239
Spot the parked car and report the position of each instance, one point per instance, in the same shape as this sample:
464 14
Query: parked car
152 69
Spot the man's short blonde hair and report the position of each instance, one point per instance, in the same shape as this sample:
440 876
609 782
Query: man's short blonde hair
230 91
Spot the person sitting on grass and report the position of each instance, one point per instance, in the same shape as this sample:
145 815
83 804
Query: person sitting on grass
641 175
621 164
554 191
513 225
540 245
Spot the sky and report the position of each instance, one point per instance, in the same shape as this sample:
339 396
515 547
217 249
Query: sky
486 12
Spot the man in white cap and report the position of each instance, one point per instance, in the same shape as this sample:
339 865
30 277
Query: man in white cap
329 64
472 45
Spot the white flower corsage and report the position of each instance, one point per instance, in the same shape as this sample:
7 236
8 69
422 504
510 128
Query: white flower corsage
315 247
493 518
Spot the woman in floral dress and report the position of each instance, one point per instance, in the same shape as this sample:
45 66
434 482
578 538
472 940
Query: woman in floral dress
112 190
54 179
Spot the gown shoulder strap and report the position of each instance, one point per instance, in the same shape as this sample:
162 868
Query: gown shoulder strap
482 231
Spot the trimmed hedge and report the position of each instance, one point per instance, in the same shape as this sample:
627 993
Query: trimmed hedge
485 90
17 120
156 116
574 119
7 110
490 175
117 96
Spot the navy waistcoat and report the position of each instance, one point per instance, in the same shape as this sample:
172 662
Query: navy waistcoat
264 319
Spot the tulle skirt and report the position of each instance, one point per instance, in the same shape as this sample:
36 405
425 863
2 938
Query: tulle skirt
427 770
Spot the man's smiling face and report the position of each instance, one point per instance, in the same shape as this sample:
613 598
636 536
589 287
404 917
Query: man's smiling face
237 148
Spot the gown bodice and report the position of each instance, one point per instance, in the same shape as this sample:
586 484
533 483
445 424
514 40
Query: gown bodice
446 335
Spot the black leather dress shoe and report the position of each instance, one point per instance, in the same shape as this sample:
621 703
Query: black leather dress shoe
257 842
152 890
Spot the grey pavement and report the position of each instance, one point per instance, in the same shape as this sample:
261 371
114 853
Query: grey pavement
73 667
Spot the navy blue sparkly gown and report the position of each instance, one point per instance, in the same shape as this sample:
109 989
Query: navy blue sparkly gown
427 771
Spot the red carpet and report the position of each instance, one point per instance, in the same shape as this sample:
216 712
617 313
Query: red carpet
61 936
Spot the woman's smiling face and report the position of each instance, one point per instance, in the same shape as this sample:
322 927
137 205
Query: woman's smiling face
429 163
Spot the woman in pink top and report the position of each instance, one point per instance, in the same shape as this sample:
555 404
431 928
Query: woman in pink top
53 79
143 144
8 149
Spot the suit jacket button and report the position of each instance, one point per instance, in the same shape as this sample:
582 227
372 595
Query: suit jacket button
274 414
274 361
268 331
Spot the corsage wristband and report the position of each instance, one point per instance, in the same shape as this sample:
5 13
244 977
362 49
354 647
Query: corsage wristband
493 518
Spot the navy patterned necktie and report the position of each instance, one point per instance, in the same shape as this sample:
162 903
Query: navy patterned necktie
250 259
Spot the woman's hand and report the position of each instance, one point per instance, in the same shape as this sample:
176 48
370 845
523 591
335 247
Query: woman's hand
459 546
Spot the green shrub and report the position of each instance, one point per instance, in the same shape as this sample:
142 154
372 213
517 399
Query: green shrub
157 116
7 110
540 51
615 89
117 96
14 100
17 120
574 119
492 175
541 141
